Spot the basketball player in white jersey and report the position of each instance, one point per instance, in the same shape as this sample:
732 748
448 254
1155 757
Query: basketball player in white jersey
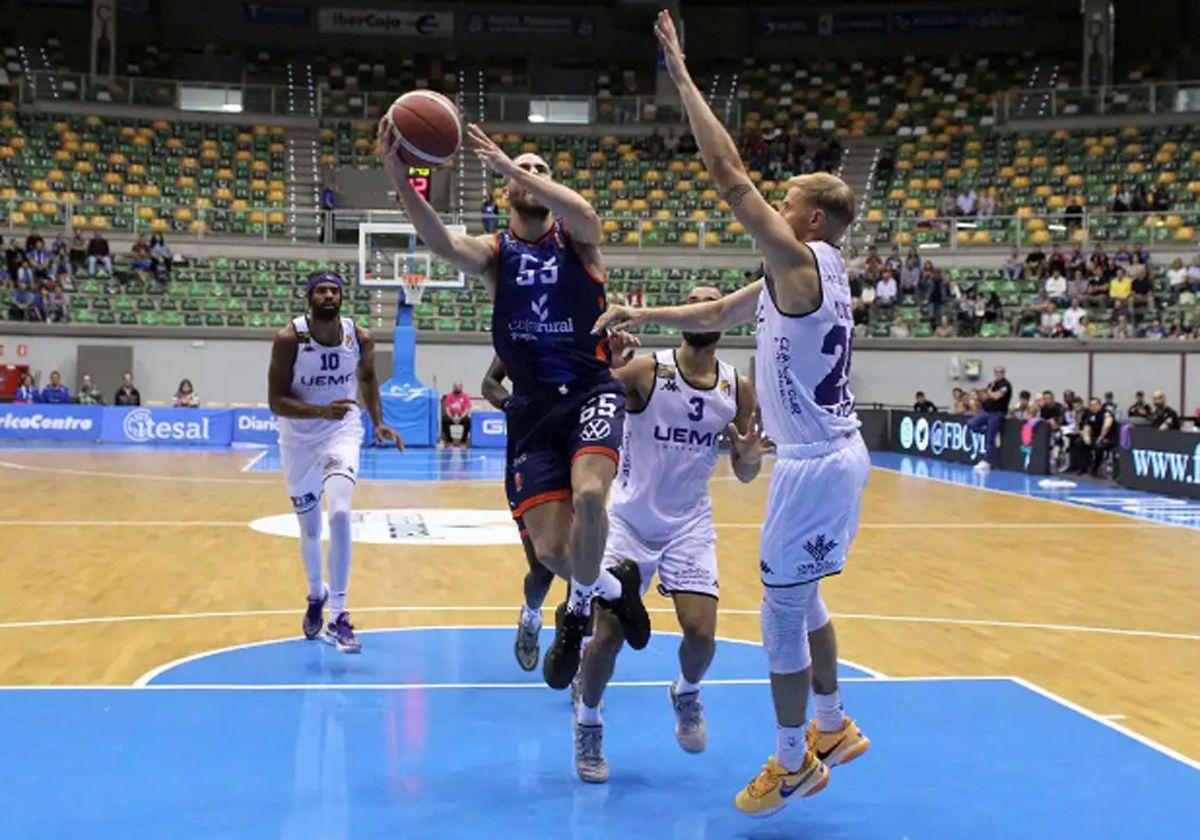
802 374
320 363
678 402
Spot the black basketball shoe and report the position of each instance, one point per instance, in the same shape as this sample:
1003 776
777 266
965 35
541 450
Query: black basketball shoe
629 609
561 662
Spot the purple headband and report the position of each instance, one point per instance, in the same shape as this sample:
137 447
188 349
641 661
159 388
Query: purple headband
323 277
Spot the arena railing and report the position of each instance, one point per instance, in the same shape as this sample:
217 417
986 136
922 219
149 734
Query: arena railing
1144 98
1053 228
298 101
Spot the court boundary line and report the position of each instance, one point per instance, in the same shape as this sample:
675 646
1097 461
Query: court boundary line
249 465
1019 495
144 680
729 611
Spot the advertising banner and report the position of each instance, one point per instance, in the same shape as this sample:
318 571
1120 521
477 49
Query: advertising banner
395 23
578 26
489 429
255 425
1160 462
1024 446
50 422
174 426
276 14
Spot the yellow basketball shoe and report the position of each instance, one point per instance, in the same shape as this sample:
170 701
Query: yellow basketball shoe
840 747
775 786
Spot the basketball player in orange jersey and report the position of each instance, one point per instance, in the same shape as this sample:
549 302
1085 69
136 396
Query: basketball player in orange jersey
802 308
545 274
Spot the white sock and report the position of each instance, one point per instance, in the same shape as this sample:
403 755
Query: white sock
310 550
531 618
580 599
790 747
588 716
682 686
338 492
829 711
607 586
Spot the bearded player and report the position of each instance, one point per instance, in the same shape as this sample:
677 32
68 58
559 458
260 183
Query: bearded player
320 365
679 403
546 277
802 307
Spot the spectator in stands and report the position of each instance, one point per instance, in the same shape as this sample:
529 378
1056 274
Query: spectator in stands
1097 437
947 207
899 329
1122 199
1077 285
967 202
910 279
894 262
1156 330
34 241
127 394
14 257
61 251
56 392
78 252
1035 261
55 302
1050 325
26 392
1140 410
1120 288
1056 288
1164 417
26 277
489 214
873 261
1121 328
944 329
185 395
1110 402
1097 286
1142 294
1073 215
987 203
89 394
456 408
1024 408
1100 258
995 400
1049 411
1014 266
922 405
1122 255
1177 280
140 258
958 401
98 252
1073 320
1056 263
886 291
25 305
160 259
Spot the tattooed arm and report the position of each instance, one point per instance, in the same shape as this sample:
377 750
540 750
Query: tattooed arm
724 163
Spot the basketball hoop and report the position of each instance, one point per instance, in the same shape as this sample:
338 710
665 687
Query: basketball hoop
414 288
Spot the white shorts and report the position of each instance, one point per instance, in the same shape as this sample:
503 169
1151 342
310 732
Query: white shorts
686 563
307 466
812 514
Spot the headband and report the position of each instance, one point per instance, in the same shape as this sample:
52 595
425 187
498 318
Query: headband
315 280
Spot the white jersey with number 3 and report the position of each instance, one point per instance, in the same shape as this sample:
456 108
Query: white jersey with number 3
670 450
321 375
802 365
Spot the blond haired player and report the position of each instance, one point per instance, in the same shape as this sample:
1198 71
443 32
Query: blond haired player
802 307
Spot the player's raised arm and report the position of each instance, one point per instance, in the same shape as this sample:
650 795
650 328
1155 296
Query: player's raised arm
638 378
581 218
745 435
279 384
709 316
492 388
724 164
469 254
368 384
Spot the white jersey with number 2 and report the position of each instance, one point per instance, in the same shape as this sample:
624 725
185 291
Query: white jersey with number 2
802 366
321 375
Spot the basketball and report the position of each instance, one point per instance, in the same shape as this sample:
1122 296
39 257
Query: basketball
427 126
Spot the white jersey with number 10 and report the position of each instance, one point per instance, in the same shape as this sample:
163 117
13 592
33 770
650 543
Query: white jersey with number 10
321 375
802 366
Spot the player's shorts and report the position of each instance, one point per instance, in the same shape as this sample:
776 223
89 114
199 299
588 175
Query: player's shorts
812 510
307 466
546 433
686 563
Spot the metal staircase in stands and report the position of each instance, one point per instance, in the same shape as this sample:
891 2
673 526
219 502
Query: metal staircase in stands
471 182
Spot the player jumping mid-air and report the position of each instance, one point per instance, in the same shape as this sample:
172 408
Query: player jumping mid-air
320 364
802 374
546 276
679 404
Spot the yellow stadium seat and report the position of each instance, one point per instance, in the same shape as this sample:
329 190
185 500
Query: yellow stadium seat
1024 212
111 178
981 237
145 212
632 237
1184 234
610 226
912 204
1135 168
621 205
874 215
184 214
736 228
683 186
1173 221
1166 177
690 237
646 226
1043 190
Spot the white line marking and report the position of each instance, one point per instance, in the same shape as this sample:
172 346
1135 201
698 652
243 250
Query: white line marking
1116 727
1113 717
730 611
250 464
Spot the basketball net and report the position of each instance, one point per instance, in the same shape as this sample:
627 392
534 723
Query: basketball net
414 288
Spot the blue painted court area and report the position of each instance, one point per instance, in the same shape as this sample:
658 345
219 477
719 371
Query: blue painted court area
313 744
1085 493
388 464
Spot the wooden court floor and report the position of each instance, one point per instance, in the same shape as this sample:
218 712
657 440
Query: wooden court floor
117 562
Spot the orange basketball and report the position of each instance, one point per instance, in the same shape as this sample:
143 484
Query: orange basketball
427 128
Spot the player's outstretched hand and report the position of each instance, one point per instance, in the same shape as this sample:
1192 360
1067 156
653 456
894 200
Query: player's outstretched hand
489 154
618 317
337 409
668 39
749 446
386 434
397 170
621 345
